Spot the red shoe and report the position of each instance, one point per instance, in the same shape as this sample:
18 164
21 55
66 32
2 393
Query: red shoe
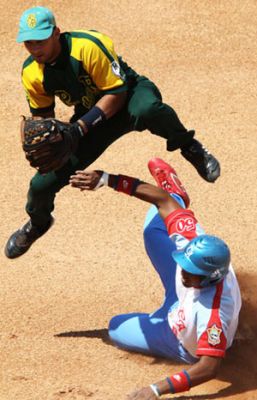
167 179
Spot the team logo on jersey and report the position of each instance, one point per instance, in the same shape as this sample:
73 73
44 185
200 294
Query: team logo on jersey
116 69
177 319
31 21
214 334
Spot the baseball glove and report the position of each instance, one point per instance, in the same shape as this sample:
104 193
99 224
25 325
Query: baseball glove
48 143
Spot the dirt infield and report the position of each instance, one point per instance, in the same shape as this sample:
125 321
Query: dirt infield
57 299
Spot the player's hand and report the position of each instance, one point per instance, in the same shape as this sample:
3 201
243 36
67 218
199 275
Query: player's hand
145 393
85 180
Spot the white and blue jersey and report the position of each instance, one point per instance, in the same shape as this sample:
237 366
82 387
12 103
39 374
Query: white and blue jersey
205 320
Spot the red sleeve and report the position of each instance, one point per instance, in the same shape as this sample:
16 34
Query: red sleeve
213 341
183 222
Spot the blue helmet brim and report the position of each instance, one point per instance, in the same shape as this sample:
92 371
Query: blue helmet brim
186 264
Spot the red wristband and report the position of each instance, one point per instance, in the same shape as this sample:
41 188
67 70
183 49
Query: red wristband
179 382
126 184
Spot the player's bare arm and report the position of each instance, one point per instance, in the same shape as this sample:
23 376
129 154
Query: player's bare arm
109 104
204 370
89 180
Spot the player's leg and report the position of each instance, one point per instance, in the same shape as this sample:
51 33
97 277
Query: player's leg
158 244
42 192
146 109
159 248
149 112
147 334
150 333
40 204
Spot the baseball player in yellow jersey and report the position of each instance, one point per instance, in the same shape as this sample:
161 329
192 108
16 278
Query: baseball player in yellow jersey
110 99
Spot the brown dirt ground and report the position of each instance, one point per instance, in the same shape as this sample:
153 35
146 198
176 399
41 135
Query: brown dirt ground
57 299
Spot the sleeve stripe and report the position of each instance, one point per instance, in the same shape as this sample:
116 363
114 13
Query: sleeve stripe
210 352
207 343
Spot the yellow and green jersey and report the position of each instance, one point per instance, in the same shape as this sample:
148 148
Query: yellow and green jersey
86 69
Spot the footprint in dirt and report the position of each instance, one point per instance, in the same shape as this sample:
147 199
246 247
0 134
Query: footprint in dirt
72 394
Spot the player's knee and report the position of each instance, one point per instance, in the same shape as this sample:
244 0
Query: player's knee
114 327
146 110
149 234
40 184
113 324
118 320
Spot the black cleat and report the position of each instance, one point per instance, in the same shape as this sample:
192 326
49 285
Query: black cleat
205 163
21 240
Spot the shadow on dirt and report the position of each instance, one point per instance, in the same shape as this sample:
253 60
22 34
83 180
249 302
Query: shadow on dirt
93 334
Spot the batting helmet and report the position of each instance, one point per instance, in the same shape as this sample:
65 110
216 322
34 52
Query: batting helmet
205 255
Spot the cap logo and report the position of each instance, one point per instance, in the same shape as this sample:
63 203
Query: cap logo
31 21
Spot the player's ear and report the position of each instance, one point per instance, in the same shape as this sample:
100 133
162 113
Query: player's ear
56 32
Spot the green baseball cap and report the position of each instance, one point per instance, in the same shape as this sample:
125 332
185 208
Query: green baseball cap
36 23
